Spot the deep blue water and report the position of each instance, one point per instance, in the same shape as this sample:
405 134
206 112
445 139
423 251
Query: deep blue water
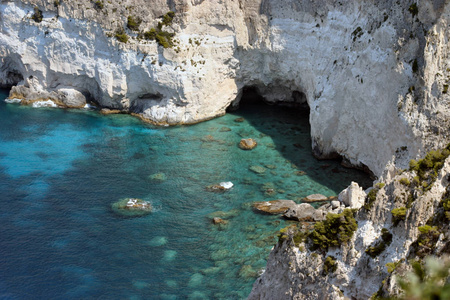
60 171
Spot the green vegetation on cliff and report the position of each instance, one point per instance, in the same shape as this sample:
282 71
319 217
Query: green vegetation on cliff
335 230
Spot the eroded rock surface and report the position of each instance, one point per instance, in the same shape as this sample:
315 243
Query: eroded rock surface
372 73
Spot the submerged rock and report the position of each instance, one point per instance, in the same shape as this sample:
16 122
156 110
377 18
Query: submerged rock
158 177
223 186
132 207
257 169
247 144
315 198
274 207
247 272
217 221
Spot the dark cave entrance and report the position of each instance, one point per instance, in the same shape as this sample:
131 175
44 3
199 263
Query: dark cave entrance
287 123
251 95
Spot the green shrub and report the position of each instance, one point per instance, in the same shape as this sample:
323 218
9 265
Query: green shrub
37 15
133 23
150 35
398 214
405 181
121 36
445 90
372 195
427 168
426 241
335 230
413 9
357 33
380 245
56 3
393 265
163 38
99 4
167 18
329 265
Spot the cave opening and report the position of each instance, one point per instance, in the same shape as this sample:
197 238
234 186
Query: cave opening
283 125
252 95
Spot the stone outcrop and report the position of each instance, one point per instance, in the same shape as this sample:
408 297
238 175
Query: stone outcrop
294 271
274 207
247 144
353 196
305 212
315 198
353 64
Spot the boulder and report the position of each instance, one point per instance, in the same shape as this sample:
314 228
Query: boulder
274 207
305 212
159 177
217 220
71 98
315 198
132 207
247 144
257 169
353 196
221 187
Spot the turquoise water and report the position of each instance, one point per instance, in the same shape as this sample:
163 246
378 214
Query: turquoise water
60 171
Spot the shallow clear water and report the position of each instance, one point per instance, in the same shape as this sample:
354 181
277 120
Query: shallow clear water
60 171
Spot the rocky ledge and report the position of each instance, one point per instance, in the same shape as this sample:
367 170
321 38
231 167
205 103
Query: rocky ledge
360 253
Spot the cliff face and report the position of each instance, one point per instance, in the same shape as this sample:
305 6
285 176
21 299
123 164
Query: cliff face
295 272
373 73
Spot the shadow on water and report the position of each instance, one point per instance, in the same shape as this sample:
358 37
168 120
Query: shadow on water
291 138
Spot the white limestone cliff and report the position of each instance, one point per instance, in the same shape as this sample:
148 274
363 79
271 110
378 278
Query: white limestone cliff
352 63
375 75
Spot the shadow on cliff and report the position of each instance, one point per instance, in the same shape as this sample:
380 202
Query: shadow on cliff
290 135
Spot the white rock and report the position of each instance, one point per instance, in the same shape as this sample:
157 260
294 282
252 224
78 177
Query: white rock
353 196
226 185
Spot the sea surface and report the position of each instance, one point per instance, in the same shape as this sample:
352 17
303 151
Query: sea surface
61 170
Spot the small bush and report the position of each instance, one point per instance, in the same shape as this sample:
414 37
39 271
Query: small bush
398 214
56 3
428 167
393 265
426 241
150 35
372 195
98 4
37 15
167 18
329 265
163 38
413 9
357 33
133 23
405 181
380 245
335 230
445 90
121 36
